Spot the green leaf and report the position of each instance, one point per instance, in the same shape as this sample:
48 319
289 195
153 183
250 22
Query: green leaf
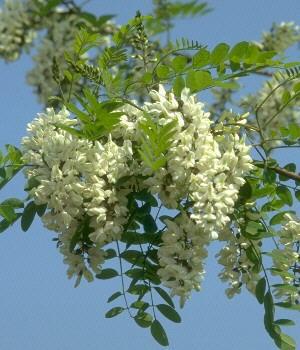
179 63
110 254
106 274
143 319
114 297
134 257
28 216
260 290
219 53
269 313
140 304
149 223
147 197
13 202
284 322
169 313
287 305
41 209
7 212
239 51
201 58
163 71
4 225
297 195
285 195
115 311
138 289
50 4
178 85
278 218
286 96
83 117
165 296
198 80
159 333
289 167
287 343
135 273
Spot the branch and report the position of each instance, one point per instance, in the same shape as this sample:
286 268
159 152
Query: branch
286 173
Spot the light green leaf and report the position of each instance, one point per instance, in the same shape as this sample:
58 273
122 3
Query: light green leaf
163 71
201 58
219 53
179 63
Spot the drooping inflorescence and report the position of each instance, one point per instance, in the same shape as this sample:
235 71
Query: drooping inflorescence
78 181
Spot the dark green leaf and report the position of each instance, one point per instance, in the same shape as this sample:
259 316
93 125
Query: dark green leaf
4 225
41 209
115 311
165 296
138 289
134 257
287 305
110 253
149 223
169 312
107 274
28 216
260 290
143 319
114 296
159 333
284 322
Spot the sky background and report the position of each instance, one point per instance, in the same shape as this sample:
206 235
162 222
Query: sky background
40 309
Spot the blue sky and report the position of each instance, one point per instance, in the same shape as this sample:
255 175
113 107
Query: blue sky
40 309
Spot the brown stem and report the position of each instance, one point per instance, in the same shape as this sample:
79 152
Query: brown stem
286 173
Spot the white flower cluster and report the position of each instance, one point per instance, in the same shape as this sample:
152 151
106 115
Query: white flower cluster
15 29
281 36
208 168
77 182
286 261
205 165
238 268
181 256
